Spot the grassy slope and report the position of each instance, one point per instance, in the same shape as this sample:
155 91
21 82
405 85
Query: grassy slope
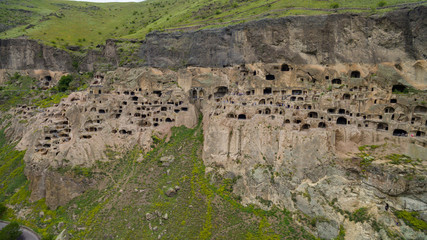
128 189
63 23
11 169
23 90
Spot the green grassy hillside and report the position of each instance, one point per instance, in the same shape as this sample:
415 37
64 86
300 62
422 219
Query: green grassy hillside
62 23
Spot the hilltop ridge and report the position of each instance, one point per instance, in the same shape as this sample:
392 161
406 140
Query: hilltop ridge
64 23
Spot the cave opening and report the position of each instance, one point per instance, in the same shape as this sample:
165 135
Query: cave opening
336 81
241 117
221 92
389 110
270 77
399 88
342 121
285 67
382 126
312 115
305 127
400 133
267 91
346 96
296 92
355 74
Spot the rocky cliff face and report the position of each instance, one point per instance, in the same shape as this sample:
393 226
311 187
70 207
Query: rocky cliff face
78 131
25 54
330 118
323 141
21 54
329 39
103 58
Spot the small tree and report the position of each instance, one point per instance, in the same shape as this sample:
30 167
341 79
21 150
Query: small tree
335 5
64 83
10 232
382 3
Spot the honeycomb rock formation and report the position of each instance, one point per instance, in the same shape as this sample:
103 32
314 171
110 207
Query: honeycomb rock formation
300 112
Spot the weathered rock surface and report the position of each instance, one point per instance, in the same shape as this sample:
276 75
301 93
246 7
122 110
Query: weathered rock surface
58 189
29 55
103 55
167 160
328 39
21 54
287 128
77 132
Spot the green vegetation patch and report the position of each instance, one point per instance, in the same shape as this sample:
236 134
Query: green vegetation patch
10 231
360 215
412 220
12 176
399 159
368 147
24 90
76 170
366 155
3 209
50 101
64 83
18 90
341 233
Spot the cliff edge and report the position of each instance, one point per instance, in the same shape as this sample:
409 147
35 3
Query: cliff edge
327 39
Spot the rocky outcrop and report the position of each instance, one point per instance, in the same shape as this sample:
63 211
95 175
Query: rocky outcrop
25 54
290 135
105 57
328 39
77 132
57 188
21 54
286 134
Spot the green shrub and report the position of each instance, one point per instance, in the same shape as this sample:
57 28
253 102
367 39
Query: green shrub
156 139
335 5
75 64
366 159
2 209
64 83
16 76
360 215
381 3
10 232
